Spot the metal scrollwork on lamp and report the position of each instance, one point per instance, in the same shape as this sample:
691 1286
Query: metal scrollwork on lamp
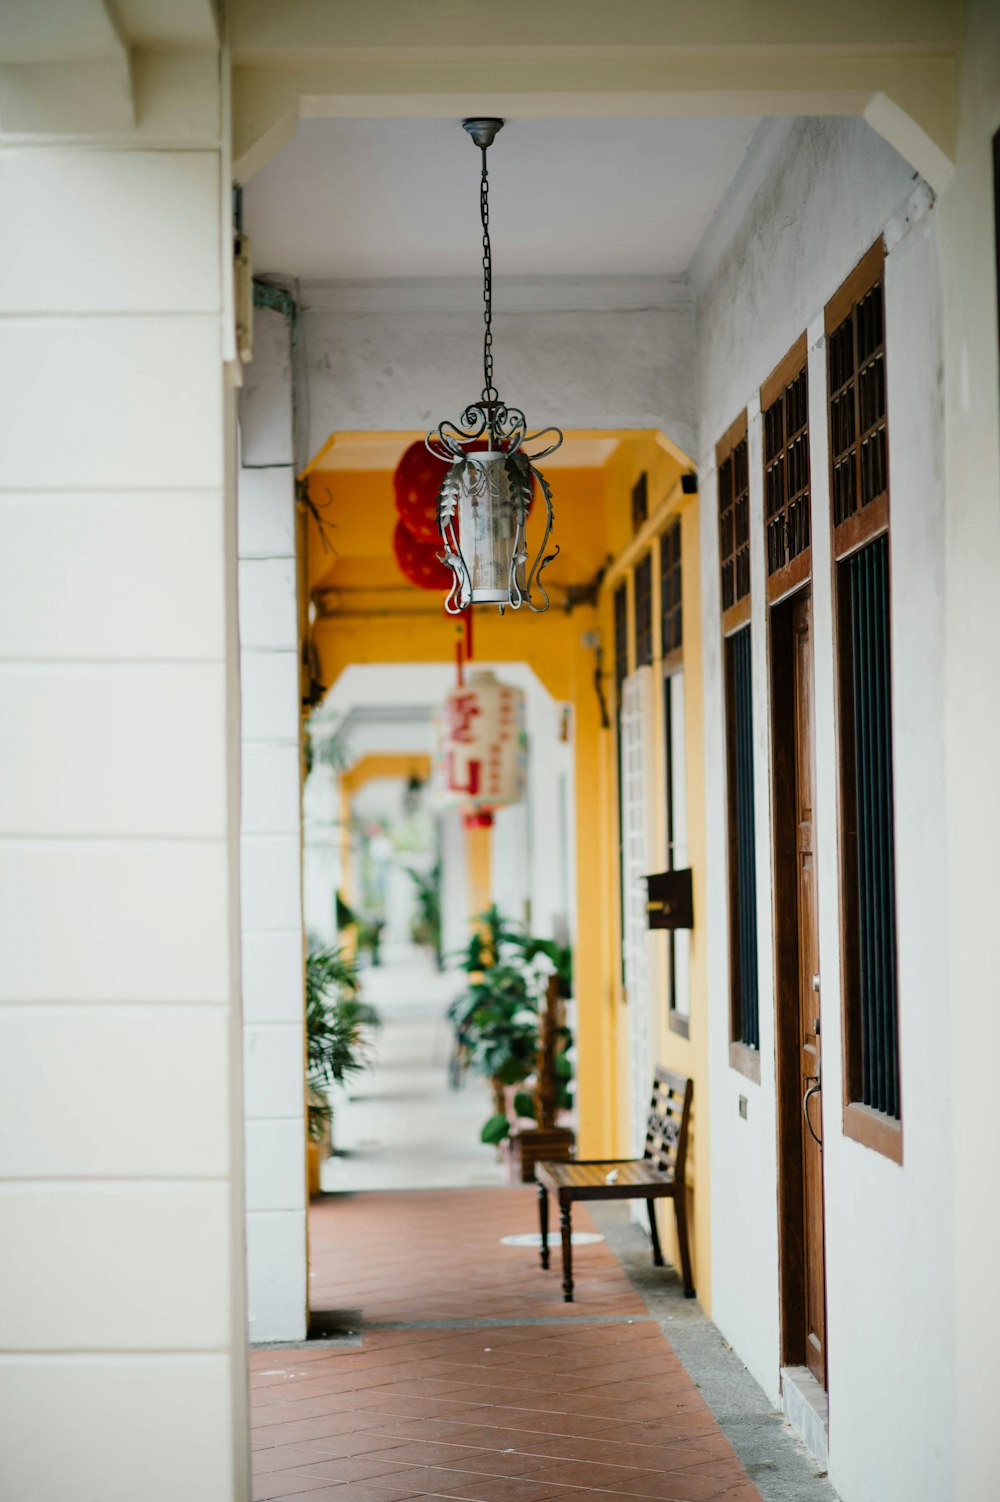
486 494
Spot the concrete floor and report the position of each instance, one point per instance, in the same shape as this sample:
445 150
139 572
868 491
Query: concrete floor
399 1126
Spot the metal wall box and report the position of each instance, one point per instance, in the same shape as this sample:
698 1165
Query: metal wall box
670 899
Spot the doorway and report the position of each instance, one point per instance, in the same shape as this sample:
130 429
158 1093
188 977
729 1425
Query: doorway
798 997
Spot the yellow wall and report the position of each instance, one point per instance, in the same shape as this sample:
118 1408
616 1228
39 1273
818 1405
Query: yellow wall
367 612
687 1055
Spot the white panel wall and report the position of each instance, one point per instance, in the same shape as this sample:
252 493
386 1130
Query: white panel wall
121 1286
832 189
271 846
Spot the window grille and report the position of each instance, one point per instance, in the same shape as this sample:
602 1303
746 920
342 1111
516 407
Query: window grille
867 776
742 873
642 598
734 524
858 440
621 637
678 940
640 502
671 612
636 863
786 473
859 478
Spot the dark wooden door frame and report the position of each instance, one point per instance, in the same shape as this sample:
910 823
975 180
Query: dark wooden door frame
788 1056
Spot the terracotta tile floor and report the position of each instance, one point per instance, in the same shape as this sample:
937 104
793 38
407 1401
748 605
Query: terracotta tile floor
585 1400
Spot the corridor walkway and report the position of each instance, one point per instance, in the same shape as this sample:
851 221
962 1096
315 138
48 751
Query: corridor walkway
469 1378
399 1126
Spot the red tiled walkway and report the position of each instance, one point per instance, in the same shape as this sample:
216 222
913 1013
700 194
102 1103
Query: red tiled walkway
589 1403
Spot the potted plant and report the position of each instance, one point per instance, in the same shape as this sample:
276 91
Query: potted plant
426 927
337 1042
510 1025
537 1134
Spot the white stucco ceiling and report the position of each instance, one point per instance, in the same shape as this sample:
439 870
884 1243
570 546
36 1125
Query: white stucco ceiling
399 198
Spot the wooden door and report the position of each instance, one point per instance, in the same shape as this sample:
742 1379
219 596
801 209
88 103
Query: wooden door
809 1016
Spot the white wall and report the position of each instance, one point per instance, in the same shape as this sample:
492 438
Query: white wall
122 1352
972 704
271 846
528 855
832 188
603 352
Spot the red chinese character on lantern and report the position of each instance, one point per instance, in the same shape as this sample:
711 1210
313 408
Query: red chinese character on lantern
462 711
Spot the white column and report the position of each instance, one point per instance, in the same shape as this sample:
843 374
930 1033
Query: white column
271 845
122 1346
972 729
455 931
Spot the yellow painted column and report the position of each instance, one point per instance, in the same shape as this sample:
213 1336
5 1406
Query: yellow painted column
592 961
479 853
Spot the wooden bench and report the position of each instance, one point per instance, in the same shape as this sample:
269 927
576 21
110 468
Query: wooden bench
658 1174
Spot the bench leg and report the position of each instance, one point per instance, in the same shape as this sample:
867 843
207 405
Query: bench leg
566 1225
680 1211
654 1234
543 1222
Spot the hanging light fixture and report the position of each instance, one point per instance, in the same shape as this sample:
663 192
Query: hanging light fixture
485 496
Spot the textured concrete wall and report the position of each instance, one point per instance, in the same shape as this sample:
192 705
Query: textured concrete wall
597 352
832 189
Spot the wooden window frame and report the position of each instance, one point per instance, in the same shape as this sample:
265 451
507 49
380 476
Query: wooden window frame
861 1123
737 614
793 574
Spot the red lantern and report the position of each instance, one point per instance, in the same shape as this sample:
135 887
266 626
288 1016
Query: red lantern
419 561
416 482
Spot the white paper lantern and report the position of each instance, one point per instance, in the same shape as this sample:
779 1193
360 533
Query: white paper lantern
483 745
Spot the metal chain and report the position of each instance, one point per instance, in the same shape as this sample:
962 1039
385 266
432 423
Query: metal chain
490 392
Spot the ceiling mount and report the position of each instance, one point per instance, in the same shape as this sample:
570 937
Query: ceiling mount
483 132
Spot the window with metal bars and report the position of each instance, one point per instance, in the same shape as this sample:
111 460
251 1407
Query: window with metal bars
642 605
671 612
786 473
858 440
867 794
859 478
621 637
640 502
734 521
742 875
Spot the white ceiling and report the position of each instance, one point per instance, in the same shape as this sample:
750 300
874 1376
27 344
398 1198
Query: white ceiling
399 198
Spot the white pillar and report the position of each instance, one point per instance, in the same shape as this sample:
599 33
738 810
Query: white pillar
455 932
122 1344
972 728
271 848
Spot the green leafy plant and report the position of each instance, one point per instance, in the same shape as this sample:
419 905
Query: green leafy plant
337 1031
370 937
509 1021
426 928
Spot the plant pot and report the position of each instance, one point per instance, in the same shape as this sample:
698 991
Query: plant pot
529 1144
314 1157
